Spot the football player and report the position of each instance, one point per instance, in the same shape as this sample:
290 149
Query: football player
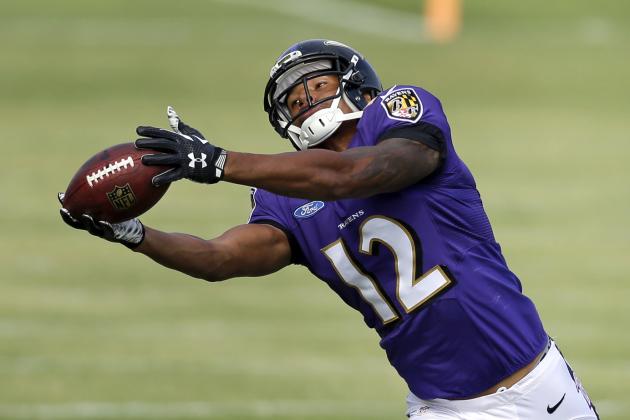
377 204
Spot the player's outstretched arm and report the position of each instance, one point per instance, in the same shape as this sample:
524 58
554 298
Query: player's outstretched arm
389 166
245 250
321 174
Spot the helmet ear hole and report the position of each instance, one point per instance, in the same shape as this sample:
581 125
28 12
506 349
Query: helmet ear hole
356 78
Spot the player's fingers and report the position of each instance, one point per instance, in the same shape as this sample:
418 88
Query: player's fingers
103 225
60 197
107 230
160 159
156 132
69 220
163 145
179 126
91 225
167 177
188 130
173 118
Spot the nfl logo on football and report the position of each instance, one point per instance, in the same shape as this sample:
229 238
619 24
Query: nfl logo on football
122 198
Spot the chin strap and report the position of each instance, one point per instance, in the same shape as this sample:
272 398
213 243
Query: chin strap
350 116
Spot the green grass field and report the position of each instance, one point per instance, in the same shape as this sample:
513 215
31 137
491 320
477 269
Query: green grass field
537 94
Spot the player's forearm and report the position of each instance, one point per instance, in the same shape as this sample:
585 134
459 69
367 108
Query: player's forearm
188 254
328 175
313 174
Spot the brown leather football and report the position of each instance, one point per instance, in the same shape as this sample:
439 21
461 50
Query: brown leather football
114 185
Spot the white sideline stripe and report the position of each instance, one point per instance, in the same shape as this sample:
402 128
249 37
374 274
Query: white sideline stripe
367 19
140 409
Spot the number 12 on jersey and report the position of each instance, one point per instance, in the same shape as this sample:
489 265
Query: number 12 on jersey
410 292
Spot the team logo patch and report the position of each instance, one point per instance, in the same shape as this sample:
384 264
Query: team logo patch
122 198
403 105
308 209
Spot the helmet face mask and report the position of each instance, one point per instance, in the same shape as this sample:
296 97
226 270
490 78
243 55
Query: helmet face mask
303 62
281 105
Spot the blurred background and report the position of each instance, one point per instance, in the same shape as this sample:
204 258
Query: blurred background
537 94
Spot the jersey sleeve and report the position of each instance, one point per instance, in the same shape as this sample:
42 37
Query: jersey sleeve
413 113
267 208
406 112
422 132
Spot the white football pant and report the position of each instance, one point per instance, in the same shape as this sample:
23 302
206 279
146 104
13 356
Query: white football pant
550 391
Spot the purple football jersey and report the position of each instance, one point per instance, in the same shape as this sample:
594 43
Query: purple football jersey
420 264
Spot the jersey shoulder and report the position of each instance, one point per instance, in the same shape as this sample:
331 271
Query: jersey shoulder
268 207
411 112
401 106
285 213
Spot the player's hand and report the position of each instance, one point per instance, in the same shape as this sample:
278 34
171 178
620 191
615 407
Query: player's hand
186 150
129 233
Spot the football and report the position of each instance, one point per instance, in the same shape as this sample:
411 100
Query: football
114 185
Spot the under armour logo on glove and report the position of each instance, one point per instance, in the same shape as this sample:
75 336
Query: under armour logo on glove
194 160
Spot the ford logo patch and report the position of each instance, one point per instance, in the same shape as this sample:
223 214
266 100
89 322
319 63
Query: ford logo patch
308 209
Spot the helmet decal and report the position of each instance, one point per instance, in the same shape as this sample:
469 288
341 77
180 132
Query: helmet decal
293 55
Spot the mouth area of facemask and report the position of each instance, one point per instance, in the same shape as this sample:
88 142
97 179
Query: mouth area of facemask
322 124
